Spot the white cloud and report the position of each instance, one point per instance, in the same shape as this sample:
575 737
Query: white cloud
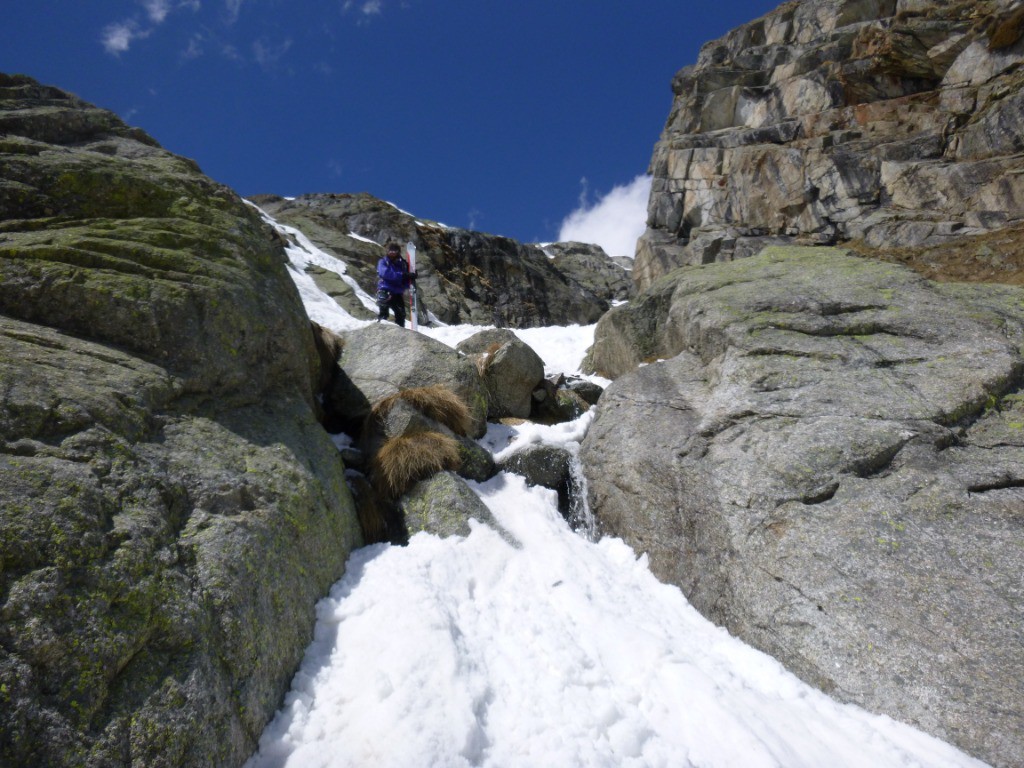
267 54
614 222
195 48
231 53
118 38
365 7
234 9
157 10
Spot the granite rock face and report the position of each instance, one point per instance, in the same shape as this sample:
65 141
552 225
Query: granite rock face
826 453
464 276
510 371
169 508
382 359
892 124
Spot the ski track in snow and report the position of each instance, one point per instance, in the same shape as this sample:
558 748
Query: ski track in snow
555 651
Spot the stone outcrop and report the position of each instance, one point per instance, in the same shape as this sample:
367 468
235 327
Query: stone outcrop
826 453
590 266
443 505
402 417
891 124
464 276
343 294
555 402
169 508
381 359
549 466
509 368
392 392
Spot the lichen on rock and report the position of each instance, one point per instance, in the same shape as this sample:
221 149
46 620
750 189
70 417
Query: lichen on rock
825 461
170 509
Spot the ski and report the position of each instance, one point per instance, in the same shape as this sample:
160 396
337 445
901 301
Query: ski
410 255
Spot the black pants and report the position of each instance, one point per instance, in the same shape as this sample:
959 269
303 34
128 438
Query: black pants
394 301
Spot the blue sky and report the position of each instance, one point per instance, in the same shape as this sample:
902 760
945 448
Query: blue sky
507 117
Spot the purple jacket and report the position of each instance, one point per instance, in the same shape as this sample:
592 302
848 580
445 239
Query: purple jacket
393 274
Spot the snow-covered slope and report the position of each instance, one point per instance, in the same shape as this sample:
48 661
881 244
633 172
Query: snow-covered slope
557 651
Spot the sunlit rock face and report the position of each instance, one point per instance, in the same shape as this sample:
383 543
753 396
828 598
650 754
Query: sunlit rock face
826 454
170 509
464 276
884 123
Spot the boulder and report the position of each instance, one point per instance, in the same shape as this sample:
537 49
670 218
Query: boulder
382 359
403 418
588 390
828 461
443 505
170 510
545 465
99 261
510 369
554 404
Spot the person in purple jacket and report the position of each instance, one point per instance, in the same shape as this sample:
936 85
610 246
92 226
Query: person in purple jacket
393 277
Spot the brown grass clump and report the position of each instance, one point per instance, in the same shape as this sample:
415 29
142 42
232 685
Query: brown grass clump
484 360
1007 31
370 510
406 459
991 257
436 402
329 347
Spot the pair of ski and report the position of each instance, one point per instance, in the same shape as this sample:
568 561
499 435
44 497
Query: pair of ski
410 258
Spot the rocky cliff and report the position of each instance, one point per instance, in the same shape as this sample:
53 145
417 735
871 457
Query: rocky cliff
169 508
822 448
464 276
893 125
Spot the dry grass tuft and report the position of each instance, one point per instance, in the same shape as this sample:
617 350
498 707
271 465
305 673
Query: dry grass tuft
406 459
484 360
436 402
329 347
1007 31
370 510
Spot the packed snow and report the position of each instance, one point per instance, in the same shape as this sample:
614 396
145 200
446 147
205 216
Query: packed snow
535 646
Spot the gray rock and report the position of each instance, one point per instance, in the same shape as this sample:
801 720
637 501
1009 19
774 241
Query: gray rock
382 359
549 466
477 463
101 263
443 505
554 404
894 124
343 293
170 510
464 276
510 369
544 465
829 463
586 389
589 266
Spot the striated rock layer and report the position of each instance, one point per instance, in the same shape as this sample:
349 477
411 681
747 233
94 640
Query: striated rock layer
170 509
892 124
826 453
